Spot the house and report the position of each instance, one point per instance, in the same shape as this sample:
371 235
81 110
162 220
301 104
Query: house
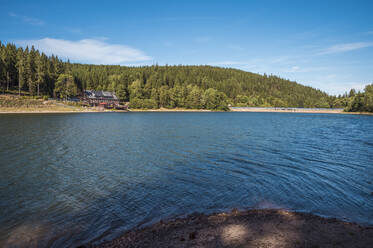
104 99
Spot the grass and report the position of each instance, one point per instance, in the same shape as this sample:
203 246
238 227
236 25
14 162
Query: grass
25 104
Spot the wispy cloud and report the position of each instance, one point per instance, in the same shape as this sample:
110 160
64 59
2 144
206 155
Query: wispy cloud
74 30
331 76
335 87
243 65
27 19
297 69
294 69
339 48
168 44
189 18
88 51
202 39
235 47
256 63
226 63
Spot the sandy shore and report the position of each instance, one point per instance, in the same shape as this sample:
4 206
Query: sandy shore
289 110
252 228
58 109
92 110
38 111
298 110
46 112
55 110
170 110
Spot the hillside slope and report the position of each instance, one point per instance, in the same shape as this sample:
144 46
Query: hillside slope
181 86
197 87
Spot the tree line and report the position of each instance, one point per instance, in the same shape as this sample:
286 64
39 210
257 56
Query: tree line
361 101
200 87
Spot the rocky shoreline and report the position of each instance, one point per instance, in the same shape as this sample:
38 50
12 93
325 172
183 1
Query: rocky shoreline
251 228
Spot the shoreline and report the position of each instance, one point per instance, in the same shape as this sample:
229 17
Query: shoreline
170 110
297 110
57 112
176 110
249 228
69 109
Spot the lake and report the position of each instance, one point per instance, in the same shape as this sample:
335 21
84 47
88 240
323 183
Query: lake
68 179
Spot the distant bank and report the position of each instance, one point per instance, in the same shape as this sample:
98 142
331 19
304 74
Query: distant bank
13 104
290 110
65 109
297 110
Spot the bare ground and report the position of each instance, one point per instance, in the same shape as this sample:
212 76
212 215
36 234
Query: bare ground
253 228
290 110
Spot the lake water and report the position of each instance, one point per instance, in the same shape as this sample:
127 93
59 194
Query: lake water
68 179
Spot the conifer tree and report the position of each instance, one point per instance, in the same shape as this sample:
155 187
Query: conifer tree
65 86
2 73
9 61
31 70
41 71
21 61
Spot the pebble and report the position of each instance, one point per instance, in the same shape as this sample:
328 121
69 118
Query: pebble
192 235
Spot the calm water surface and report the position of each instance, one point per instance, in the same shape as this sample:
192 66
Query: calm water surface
68 179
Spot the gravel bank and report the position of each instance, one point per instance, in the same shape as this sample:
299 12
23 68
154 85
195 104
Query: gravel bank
252 228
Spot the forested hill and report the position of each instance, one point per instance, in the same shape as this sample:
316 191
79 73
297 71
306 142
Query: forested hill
154 86
235 86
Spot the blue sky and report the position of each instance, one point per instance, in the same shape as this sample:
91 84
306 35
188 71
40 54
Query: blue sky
324 44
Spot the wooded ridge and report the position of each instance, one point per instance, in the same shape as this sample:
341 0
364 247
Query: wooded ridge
197 87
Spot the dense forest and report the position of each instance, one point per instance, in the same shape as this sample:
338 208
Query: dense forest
199 87
361 101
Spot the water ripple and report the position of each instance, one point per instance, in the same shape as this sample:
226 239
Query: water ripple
88 177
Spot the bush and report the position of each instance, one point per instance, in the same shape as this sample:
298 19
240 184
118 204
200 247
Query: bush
143 103
149 104
135 103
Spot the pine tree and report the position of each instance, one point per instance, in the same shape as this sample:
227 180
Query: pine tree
41 71
31 70
65 86
2 65
21 62
8 55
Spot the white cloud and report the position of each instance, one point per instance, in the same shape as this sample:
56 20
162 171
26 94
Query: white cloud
196 18
92 51
27 19
74 30
336 88
294 69
298 69
168 44
226 63
345 47
235 47
331 76
202 39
